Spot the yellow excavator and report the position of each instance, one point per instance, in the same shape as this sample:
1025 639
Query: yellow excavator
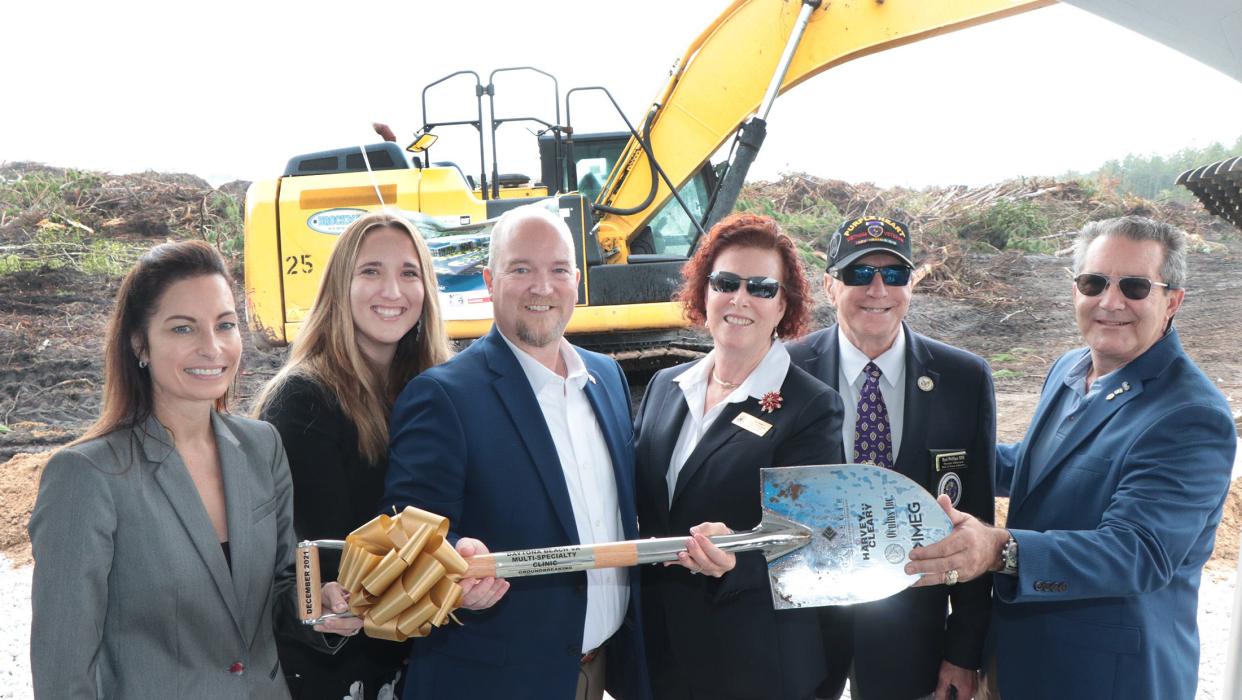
637 202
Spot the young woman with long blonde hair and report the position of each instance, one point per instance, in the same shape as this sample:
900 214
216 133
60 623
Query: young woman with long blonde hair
375 325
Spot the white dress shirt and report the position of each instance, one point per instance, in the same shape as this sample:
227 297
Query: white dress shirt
768 376
587 467
850 379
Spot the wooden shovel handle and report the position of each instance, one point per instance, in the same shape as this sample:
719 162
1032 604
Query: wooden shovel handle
310 605
550 560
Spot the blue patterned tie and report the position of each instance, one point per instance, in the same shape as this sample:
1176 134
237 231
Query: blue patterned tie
873 442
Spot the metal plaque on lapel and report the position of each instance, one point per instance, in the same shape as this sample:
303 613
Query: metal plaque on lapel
864 520
949 460
747 422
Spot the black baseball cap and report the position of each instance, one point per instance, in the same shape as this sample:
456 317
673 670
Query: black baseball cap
869 234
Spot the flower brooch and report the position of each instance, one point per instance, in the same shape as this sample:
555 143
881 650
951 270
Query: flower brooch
771 401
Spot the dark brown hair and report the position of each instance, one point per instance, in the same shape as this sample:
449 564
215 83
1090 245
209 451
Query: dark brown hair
128 392
749 231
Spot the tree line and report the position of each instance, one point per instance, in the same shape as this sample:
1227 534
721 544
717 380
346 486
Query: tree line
1153 176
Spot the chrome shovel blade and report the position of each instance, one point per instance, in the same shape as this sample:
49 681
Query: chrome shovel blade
864 520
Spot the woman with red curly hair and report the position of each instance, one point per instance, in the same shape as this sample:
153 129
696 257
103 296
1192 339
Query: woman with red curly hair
702 434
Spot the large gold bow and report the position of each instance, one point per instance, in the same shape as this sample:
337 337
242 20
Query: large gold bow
402 574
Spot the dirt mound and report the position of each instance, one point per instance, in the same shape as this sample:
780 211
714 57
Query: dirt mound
1226 551
19 485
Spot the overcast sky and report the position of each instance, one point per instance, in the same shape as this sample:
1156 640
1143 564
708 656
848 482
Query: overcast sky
233 89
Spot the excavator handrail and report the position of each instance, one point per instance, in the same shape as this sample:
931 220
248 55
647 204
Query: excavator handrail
477 122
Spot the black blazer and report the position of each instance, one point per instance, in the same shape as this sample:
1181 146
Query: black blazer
721 638
909 631
335 490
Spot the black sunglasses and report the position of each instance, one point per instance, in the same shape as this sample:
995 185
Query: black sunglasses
861 275
728 283
1136 288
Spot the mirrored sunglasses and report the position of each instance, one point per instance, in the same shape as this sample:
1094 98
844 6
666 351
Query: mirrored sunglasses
728 283
1136 288
861 275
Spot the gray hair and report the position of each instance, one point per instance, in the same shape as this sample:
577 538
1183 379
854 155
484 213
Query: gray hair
510 220
1138 228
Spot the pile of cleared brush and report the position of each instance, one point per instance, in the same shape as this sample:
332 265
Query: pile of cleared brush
953 224
97 222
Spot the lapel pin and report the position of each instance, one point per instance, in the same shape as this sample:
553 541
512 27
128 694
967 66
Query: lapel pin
590 377
926 383
1125 386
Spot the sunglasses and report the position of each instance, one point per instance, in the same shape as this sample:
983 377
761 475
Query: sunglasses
1136 288
728 283
861 275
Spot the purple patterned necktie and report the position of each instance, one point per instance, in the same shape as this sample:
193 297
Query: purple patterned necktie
873 442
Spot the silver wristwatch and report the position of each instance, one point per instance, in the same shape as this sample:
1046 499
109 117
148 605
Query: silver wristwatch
1009 557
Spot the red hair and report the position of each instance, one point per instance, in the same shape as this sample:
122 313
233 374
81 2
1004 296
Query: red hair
749 231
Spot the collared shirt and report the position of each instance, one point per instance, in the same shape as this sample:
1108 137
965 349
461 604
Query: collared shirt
768 375
892 364
589 476
1073 398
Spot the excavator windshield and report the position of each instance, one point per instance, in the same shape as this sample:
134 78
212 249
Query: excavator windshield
671 232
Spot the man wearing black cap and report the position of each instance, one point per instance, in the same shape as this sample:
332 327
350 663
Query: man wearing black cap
927 410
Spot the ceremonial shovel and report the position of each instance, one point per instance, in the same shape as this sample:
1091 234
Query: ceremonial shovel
832 535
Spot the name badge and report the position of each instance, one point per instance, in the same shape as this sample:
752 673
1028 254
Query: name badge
949 459
745 421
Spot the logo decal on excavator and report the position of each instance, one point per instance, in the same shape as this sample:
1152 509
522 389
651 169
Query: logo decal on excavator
333 221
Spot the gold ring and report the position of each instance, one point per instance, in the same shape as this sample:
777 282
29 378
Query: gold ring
950 577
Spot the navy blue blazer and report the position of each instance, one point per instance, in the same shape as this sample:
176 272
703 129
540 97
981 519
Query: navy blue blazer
950 408
468 441
1112 535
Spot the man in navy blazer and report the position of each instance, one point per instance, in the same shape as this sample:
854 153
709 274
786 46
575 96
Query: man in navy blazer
943 418
1115 493
523 440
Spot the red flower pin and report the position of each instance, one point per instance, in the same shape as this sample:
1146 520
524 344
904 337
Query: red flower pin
771 401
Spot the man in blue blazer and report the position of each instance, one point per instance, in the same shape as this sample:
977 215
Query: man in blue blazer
1115 493
943 435
523 440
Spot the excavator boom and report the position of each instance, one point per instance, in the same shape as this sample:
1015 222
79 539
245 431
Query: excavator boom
721 80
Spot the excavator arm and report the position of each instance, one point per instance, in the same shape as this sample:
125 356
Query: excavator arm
722 78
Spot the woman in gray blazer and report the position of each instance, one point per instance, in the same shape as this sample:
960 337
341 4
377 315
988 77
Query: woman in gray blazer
163 537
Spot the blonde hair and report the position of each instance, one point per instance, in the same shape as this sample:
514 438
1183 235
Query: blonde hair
327 351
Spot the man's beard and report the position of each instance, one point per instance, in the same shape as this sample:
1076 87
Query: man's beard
539 339
535 337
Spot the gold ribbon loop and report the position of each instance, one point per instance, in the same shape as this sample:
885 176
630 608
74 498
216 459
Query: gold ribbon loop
402 574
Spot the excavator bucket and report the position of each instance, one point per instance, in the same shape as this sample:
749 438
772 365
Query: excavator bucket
1218 186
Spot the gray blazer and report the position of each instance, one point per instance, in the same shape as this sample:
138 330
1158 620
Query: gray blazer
132 595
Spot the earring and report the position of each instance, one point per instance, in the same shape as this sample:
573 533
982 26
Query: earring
142 364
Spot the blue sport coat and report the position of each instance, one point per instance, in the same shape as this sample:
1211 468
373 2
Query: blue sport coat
1112 535
468 441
